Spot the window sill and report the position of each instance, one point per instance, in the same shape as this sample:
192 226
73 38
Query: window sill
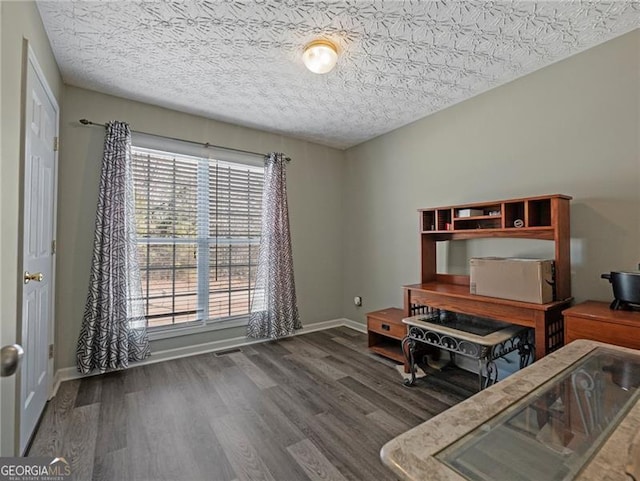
158 333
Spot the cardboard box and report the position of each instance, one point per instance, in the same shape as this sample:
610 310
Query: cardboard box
527 280
470 212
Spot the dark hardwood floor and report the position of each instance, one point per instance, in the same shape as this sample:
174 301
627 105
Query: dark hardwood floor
313 407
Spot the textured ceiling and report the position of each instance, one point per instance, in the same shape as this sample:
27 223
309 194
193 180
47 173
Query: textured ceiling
240 61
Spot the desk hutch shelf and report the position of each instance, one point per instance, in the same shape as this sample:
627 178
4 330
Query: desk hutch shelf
543 217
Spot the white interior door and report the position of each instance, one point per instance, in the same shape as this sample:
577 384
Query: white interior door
41 124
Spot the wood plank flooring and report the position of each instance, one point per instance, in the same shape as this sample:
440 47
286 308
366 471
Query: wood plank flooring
315 407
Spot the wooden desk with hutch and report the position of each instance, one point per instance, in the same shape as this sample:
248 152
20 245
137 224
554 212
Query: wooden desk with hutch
544 217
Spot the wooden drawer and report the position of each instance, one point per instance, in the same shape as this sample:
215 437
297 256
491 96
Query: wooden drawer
388 328
594 320
594 330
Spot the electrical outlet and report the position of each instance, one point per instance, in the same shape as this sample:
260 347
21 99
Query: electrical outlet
357 301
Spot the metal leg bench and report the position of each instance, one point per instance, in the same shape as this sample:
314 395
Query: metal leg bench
477 338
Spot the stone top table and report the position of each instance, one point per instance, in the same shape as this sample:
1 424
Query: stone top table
475 337
575 414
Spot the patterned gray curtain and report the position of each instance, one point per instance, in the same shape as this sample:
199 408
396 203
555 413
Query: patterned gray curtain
274 310
114 328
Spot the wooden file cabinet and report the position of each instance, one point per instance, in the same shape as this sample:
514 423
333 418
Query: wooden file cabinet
595 321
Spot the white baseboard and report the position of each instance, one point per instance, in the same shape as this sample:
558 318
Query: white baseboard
69 373
355 325
56 383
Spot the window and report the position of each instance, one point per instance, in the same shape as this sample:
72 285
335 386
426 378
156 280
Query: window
198 228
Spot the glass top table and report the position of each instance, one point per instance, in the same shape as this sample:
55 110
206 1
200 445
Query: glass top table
484 340
551 433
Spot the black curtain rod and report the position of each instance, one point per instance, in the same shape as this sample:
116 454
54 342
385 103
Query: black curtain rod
204 144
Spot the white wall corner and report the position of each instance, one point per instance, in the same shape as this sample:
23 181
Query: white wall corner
355 325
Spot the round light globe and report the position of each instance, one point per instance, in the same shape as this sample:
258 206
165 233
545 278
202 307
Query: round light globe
320 56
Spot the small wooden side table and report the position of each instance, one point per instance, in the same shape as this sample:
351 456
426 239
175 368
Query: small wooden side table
385 331
594 320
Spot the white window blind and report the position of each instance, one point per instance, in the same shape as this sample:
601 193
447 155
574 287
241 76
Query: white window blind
198 227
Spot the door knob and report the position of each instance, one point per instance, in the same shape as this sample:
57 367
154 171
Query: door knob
36 276
10 357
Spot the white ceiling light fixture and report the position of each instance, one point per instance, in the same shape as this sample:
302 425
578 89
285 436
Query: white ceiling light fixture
320 56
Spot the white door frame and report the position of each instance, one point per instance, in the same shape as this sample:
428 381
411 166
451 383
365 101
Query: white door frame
29 58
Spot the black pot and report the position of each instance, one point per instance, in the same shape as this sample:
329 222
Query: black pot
626 288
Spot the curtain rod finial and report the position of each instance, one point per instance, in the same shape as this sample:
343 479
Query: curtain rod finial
85 121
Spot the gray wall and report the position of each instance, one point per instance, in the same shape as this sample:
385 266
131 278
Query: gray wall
570 128
315 205
19 20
